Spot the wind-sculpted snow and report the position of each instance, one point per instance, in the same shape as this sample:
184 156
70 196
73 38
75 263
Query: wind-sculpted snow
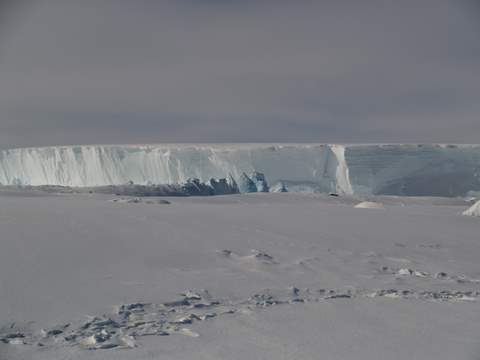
346 169
132 322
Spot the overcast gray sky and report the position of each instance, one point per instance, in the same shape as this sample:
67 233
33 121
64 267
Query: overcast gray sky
146 71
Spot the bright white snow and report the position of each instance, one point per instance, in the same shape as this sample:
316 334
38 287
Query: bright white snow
251 276
369 205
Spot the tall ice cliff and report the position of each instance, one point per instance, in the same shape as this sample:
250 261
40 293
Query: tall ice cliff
443 170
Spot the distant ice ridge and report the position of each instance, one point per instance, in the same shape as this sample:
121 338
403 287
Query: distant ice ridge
444 170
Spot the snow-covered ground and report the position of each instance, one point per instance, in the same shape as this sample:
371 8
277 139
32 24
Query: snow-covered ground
250 276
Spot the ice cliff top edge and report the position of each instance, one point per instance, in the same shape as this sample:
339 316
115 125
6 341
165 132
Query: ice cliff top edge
242 145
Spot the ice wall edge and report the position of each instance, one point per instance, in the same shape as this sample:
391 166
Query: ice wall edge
409 169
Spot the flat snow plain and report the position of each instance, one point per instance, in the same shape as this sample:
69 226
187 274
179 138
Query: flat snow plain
289 276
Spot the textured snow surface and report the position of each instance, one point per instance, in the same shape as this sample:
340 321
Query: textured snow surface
474 210
442 170
247 276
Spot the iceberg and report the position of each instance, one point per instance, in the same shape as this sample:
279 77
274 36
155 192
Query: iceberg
408 170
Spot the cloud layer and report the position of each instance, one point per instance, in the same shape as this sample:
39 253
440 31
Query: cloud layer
222 71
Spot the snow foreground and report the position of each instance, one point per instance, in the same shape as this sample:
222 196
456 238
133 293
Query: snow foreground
428 170
256 276
130 323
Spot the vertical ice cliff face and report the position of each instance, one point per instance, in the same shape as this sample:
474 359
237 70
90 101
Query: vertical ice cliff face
414 170
167 164
342 172
246 185
346 169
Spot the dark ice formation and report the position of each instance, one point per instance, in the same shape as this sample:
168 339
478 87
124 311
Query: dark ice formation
254 183
260 182
246 185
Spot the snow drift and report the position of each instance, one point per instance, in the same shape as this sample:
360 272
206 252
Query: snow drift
442 170
369 205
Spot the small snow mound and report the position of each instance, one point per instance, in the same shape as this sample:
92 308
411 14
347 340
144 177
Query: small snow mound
369 205
474 210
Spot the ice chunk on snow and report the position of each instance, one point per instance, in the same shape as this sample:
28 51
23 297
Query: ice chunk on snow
279 187
474 210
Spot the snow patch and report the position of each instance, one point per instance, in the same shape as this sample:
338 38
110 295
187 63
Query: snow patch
369 205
